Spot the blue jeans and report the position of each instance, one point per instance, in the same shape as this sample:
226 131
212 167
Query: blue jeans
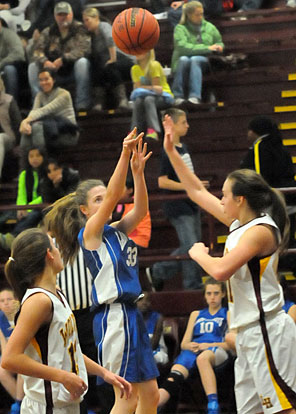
189 74
80 74
10 76
188 229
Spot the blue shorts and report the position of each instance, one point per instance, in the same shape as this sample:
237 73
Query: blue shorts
188 358
123 343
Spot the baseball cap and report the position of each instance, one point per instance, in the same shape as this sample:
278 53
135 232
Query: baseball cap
62 7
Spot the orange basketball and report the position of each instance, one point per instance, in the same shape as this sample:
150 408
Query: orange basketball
135 31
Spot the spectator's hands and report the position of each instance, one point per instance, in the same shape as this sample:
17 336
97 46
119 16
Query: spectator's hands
176 4
58 63
216 48
117 381
157 89
25 127
197 249
110 61
5 6
36 35
21 214
139 158
49 64
168 126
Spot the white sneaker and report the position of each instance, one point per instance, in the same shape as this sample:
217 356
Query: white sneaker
194 101
291 3
179 101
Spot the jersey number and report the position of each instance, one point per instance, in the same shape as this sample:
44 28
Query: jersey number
206 327
72 353
131 256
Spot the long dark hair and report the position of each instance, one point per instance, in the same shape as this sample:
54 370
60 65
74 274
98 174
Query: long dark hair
262 199
27 261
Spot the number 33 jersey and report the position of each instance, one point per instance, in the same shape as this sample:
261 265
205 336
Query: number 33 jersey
55 344
210 328
114 268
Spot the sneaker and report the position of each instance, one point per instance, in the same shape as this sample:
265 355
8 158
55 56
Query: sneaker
213 407
179 101
15 408
291 3
194 101
152 134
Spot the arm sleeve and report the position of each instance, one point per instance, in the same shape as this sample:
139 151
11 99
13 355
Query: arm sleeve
52 107
21 8
15 49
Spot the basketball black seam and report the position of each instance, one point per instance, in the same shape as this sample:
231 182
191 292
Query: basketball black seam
140 29
148 38
115 32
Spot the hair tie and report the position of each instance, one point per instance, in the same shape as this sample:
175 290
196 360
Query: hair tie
11 258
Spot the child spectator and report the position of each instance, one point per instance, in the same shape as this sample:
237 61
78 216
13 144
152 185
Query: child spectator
28 193
203 346
154 324
9 306
151 93
141 235
183 214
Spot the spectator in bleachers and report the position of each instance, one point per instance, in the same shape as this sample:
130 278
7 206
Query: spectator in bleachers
203 347
64 47
12 58
51 122
13 384
269 158
194 39
154 325
10 119
110 67
13 12
151 93
183 214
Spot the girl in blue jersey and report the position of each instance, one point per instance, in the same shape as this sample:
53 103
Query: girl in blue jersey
119 330
203 346
44 344
9 306
265 367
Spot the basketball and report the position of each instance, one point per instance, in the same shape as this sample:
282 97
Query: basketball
135 31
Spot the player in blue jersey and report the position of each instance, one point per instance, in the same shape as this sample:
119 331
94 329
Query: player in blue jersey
203 346
119 330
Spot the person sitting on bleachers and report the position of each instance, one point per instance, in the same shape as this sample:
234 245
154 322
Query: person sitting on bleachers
10 119
51 122
29 183
109 66
151 93
13 11
194 39
64 47
12 59
203 346
154 324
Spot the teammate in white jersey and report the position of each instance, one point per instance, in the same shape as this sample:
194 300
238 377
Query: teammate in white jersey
112 258
44 344
265 369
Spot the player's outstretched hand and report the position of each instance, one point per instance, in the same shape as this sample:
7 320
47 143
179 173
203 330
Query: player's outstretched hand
117 381
197 249
139 158
131 141
74 384
168 133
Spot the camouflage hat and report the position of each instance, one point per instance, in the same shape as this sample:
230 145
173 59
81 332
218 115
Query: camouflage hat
62 7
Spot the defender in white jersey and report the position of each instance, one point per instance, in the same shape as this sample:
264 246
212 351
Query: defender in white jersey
265 369
44 344
121 336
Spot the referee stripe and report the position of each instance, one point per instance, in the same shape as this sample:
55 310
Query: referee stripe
282 387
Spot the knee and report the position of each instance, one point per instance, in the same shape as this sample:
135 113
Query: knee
183 60
173 382
149 100
82 64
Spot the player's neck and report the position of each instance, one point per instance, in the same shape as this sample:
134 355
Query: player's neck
47 281
176 140
214 309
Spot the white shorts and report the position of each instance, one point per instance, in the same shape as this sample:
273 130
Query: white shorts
266 382
30 406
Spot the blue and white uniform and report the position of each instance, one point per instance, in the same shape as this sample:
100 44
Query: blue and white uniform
119 329
161 352
55 344
265 368
6 326
208 328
